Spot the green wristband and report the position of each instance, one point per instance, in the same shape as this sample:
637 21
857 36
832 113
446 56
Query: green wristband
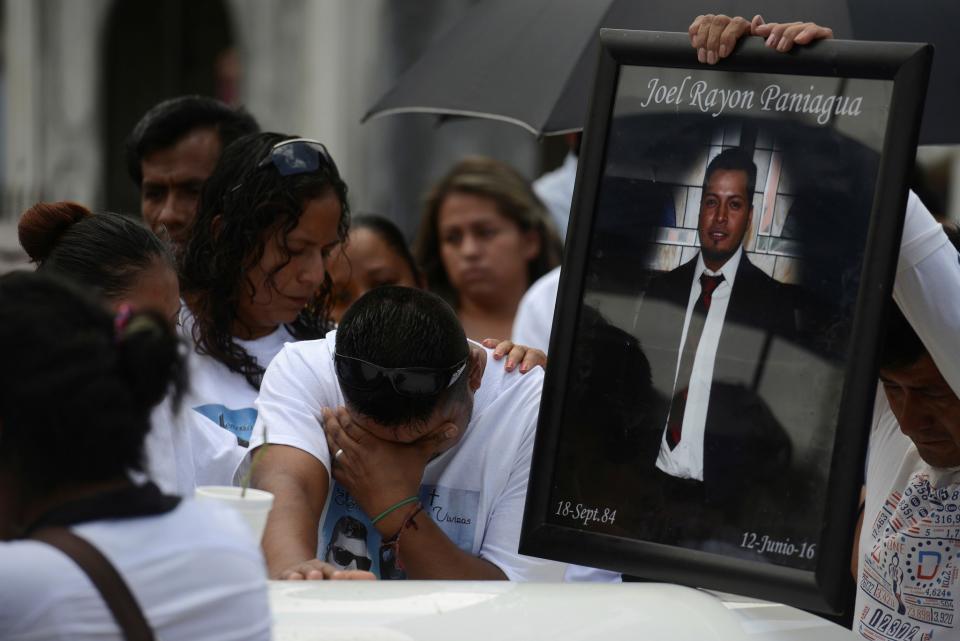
386 512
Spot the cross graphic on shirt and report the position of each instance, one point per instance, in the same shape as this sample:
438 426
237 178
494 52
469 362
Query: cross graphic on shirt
433 495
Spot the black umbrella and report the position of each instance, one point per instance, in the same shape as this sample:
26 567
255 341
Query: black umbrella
531 62
928 21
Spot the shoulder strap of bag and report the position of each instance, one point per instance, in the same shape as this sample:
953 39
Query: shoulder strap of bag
104 576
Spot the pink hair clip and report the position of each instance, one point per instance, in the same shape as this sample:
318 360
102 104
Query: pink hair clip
120 321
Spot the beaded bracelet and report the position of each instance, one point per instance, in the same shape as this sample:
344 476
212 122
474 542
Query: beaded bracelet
389 510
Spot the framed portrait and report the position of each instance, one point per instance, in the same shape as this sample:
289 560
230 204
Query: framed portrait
713 361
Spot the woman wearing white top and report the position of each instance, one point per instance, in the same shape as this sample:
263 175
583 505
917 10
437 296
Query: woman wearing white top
74 411
253 278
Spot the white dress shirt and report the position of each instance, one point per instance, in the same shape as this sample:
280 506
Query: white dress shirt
686 459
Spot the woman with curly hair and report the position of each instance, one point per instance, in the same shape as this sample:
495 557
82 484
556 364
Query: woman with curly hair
484 238
253 277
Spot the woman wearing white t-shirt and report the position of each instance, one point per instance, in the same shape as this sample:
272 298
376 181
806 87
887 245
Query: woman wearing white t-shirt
74 412
253 278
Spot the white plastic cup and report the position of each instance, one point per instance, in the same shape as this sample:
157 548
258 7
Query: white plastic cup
254 507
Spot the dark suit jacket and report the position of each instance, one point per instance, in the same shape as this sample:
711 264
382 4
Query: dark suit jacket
743 442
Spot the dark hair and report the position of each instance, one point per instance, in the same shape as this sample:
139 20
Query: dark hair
348 527
389 233
107 252
734 159
902 347
241 207
515 200
395 326
167 122
76 406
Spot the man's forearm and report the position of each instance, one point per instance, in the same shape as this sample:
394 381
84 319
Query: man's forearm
427 553
291 533
299 484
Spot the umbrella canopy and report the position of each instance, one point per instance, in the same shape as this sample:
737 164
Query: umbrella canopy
929 21
531 62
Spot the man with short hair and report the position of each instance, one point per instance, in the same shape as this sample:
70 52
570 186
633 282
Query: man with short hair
172 151
909 542
427 441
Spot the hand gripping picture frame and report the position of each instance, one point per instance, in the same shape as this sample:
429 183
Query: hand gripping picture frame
713 361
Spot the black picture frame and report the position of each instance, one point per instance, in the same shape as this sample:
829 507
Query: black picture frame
819 585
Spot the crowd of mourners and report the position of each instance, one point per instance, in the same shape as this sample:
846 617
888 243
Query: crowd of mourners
252 329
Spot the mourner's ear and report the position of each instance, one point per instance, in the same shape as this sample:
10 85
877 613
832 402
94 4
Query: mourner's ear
476 364
216 224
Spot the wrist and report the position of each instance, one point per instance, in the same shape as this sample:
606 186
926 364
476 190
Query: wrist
391 523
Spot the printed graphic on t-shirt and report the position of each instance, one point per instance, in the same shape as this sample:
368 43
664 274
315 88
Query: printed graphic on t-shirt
910 574
240 422
351 542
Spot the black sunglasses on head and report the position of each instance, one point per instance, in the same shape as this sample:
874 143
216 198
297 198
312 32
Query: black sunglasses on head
299 156
407 381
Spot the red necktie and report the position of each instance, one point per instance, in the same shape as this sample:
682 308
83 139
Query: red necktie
678 405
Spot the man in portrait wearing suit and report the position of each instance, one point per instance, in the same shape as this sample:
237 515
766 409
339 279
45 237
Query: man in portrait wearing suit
707 328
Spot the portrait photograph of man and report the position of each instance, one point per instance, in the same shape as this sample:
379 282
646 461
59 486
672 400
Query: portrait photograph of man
715 319
720 283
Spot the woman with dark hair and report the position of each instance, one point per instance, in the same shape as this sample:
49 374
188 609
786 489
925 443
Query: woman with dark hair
74 413
484 238
131 269
375 254
254 277
116 256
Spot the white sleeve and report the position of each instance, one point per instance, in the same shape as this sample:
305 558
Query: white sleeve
292 394
534 320
927 288
583 574
501 539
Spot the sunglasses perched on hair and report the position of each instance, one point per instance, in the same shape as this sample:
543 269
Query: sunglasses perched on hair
344 557
406 381
299 156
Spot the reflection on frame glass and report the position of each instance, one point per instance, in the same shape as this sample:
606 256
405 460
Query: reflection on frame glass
709 324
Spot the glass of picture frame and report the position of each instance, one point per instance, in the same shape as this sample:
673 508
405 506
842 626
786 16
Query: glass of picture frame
711 431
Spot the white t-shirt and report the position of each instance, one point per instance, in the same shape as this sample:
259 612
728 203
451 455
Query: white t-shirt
909 552
475 491
534 320
927 288
555 189
196 572
204 442
910 541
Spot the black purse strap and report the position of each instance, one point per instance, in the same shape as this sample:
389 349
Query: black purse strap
104 576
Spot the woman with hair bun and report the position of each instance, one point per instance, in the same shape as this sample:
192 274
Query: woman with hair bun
131 269
115 255
74 413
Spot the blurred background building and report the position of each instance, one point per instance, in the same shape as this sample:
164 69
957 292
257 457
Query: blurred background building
75 76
